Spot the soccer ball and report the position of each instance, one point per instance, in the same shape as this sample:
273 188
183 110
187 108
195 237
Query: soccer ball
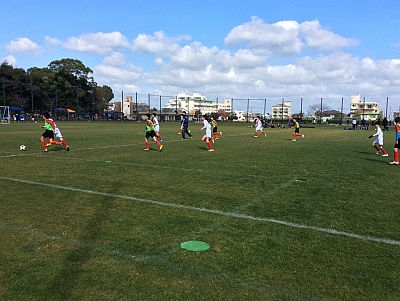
22 147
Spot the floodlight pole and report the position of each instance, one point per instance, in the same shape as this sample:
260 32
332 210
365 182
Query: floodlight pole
387 103
137 112
320 115
363 108
341 113
148 98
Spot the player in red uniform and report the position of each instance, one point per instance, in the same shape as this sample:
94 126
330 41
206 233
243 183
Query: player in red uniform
397 143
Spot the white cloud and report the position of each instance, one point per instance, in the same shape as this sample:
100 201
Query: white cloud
10 60
321 39
286 38
113 74
116 59
195 56
157 43
23 45
52 41
97 43
281 39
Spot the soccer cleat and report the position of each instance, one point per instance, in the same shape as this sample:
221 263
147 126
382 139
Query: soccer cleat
44 151
377 153
220 133
265 135
294 140
213 140
255 136
211 150
394 163
302 136
385 155
67 148
161 147
146 149
48 144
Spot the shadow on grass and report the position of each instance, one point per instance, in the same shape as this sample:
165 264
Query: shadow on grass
69 275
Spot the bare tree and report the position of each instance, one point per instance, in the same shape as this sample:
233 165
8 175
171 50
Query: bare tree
315 109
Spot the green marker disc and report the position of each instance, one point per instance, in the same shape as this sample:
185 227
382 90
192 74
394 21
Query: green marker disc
195 245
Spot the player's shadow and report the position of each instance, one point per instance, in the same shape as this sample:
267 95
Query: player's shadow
68 276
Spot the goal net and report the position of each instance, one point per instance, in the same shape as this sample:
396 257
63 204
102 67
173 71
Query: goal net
5 114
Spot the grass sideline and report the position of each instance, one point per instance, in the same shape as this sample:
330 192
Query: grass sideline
315 219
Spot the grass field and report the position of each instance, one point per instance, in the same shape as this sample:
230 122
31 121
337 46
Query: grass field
316 219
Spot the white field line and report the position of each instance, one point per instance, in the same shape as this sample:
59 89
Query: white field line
213 211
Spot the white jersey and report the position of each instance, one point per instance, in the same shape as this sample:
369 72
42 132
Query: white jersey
258 125
156 125
379 136
207 127
57 131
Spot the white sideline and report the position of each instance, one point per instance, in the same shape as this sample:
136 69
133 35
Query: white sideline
213 211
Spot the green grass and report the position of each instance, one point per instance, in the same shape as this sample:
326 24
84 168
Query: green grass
105 220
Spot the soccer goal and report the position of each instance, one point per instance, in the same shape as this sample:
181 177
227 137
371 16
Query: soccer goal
5 114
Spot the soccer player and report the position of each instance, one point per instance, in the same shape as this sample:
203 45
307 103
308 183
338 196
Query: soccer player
150 133
378 142
185 125
207 136
49 127
259 127
296 132
397 143
156 126
214 123
58 135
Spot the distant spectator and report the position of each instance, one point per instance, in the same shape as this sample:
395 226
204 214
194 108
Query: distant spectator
354 124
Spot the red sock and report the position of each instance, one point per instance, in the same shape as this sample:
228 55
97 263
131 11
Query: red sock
158 143
159 137
383 151
396 157
255 134
64 142
147 144
209 145
294 136
48 140
298 134
56 142
376 147
43 144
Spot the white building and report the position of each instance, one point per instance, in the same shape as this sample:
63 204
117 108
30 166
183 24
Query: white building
280 111
363 109
197 102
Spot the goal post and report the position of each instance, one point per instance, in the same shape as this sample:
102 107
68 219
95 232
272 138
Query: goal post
5 114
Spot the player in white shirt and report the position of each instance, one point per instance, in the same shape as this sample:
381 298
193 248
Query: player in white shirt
156 126
378 142
259 127
207 136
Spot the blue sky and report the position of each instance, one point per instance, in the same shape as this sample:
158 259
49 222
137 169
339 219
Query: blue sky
226 49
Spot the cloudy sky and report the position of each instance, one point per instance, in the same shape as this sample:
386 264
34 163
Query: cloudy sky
222 49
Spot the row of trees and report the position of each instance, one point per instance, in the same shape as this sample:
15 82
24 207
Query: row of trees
65 83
